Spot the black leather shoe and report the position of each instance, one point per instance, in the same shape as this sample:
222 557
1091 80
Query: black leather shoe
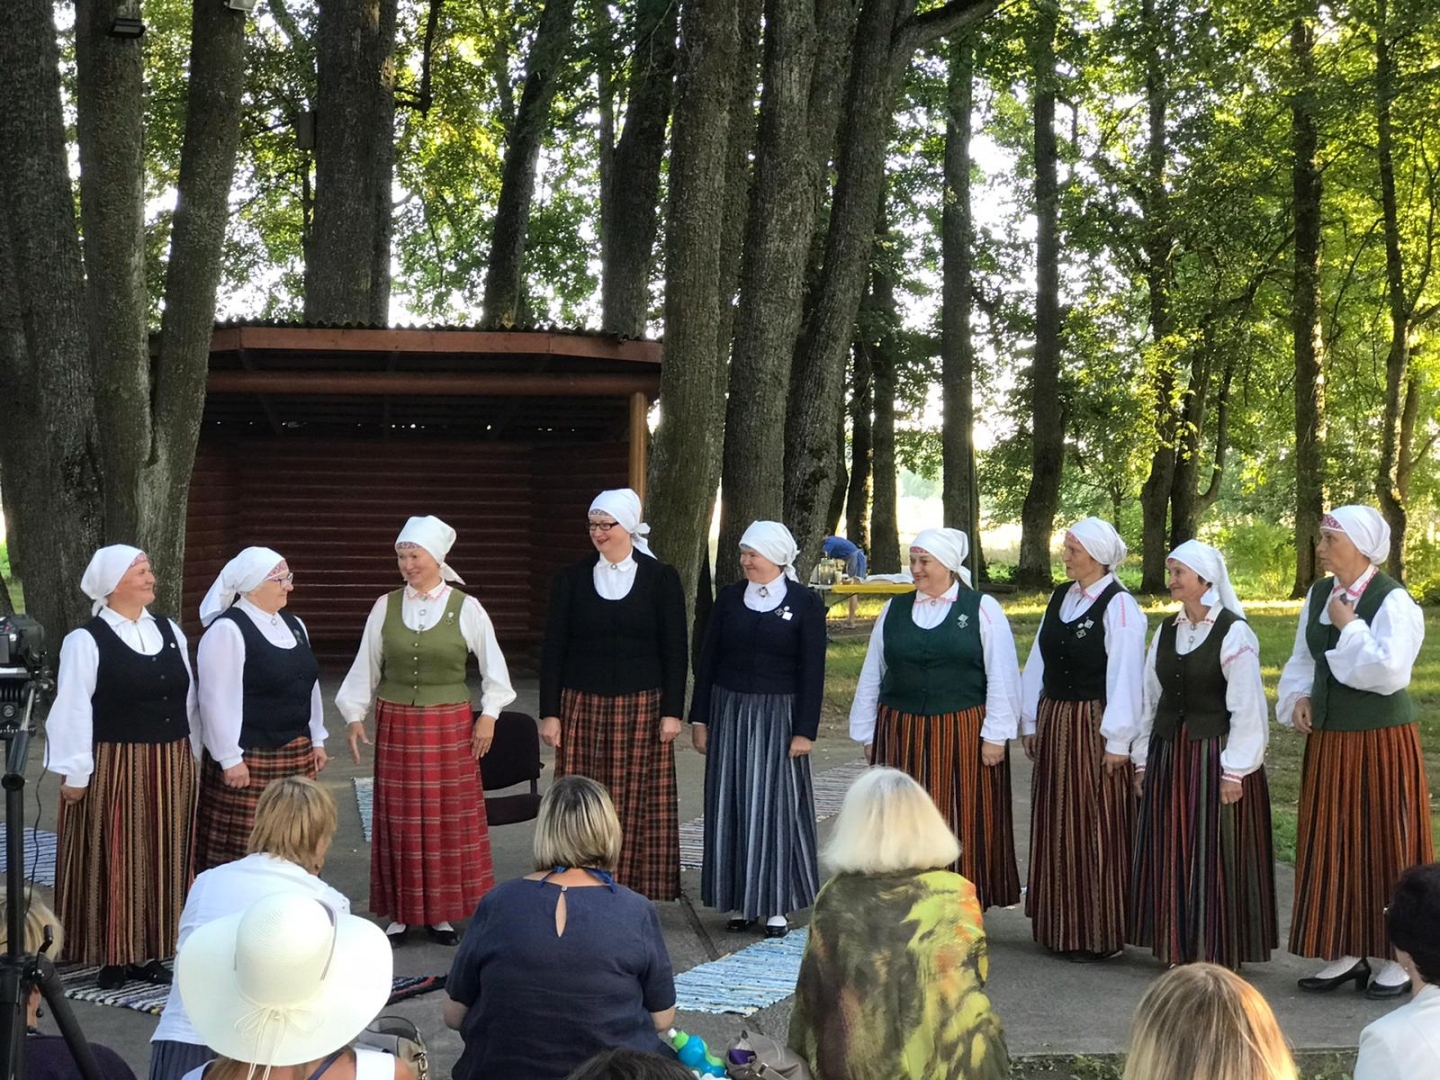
1382 992
112 977
398 937
447 936
1085 956
152 972
1359 974
776 931
739 926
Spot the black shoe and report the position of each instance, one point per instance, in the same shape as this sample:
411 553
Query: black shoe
1360 974
112 977
448 936
398 937
739 926
152 972
1383 991
776 931
1085 956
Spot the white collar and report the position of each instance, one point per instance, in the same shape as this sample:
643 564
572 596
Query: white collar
624 566
1359 585
434 594
1095 589
767 588
1181 619
114 618
951 595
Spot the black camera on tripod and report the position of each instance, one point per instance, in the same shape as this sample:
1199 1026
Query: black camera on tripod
22 666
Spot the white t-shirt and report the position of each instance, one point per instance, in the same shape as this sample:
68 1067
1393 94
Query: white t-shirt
369 1065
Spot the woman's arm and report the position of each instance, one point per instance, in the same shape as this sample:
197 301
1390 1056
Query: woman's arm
454 1014
866 705
357 692
1124 673
709 657
674 643
810 686
1379 657
70 728
1297 678
665 1019
1245 700
1002 675
220 664
479 633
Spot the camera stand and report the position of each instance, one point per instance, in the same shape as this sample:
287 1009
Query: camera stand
20 971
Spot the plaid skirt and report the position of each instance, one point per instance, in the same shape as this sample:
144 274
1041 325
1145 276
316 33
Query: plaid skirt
1081 823
1364 821
124 860
226 815
616 741
430 851
943 754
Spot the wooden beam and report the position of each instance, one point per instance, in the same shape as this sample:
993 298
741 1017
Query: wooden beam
502 342
435 384
639 441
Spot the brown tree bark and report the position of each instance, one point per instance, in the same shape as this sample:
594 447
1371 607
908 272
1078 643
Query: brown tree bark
957 351
862 404
347 256
881 320
1047 425
1305 325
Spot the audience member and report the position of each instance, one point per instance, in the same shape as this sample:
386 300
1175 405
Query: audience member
623 1063
1406 1043
837 547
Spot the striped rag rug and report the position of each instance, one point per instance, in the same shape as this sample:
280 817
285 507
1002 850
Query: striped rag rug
365 802
830 788
40 848
746 981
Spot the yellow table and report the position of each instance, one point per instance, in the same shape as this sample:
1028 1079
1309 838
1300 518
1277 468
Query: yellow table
856 589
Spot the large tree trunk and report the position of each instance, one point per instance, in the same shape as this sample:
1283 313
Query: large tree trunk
1305 305
887 35
880 343
957 351
630 197
347 257
862 404
1187 452
1047 425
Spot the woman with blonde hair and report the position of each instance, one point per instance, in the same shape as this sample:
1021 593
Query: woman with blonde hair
564 962
1201 1022
294 824
892 981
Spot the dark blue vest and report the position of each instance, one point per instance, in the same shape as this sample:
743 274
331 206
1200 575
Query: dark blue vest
278 685
138 698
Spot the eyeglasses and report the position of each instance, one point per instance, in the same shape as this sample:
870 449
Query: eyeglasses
601 526
283 579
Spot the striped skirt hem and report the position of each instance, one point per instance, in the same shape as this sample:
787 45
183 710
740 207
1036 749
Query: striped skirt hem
226 815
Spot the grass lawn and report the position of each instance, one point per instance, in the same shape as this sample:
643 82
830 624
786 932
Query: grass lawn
1274 622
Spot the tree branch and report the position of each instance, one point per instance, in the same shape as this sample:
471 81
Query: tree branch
949 18
298 41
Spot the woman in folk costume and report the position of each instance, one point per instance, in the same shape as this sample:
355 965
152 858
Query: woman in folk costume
430 856
756 712
1079 710
612 686
939 697
261 717
123 733
1204 879
1364 798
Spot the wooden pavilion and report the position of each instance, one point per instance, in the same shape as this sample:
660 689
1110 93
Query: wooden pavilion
319 442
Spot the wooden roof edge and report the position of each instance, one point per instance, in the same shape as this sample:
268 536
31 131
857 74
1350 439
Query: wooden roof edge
404 339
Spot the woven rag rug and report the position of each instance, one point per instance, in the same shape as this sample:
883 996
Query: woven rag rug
40 847
146 997
746 981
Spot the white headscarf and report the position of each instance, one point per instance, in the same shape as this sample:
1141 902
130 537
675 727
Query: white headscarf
950 546
774 542
1099 538
434 536
245 572
1210 565
107 567
624 506
1364 526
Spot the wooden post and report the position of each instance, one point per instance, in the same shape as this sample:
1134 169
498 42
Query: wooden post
639 441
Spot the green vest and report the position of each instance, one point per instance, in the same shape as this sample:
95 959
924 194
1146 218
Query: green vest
941 670
1192 687
423 667
1333 705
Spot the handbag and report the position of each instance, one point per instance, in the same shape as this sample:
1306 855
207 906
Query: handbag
765 1059
398 1037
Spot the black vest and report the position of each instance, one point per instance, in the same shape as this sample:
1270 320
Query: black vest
1192 687
278 685
138 698
1074 652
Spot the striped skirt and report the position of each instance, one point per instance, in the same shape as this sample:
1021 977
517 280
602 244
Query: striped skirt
226 815
124 861
1204 878
615 740
943 754
759 810
430 856
1364 820
1081 824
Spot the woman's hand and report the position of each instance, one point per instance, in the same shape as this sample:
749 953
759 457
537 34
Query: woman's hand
800 746
669 728
869 753
1027 743
1115 762
1230 791
72 795
1139 783
1341 613
1303 717
482 735
699 737
238 776
550 731
321 759
357 735
991 754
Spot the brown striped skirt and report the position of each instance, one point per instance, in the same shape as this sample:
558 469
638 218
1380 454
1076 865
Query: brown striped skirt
616 740
124 861
430 848
943 754
1364 820
226 815
1204 876
1081 824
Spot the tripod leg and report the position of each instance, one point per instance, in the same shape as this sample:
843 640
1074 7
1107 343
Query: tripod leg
54 992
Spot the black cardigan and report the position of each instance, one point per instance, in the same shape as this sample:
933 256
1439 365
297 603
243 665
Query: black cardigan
765 652
615 647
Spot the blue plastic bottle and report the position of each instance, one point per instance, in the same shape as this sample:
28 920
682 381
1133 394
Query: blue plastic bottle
694 1054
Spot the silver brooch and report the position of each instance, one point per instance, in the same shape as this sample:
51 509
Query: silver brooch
962 620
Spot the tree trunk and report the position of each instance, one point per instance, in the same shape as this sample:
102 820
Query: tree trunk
688 441
1187 452
629 206
1305 305
347 258
842 482
957 351
862 402
880 343
1397 360
1047 426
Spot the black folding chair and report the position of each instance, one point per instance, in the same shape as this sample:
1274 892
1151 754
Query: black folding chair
513 758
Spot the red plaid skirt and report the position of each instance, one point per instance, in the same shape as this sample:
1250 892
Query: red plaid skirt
616 740
226 815
430 853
